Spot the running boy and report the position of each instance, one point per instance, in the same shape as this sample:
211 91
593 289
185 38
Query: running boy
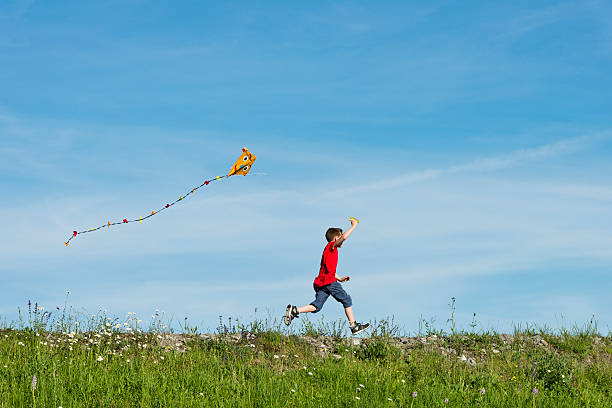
328 282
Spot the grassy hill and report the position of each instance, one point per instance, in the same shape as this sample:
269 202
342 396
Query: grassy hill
104 362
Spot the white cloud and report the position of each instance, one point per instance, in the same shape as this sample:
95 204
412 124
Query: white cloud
487 164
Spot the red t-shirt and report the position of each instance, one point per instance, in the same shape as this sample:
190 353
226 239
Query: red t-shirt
329 262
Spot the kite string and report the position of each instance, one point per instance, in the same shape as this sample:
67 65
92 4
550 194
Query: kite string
140 219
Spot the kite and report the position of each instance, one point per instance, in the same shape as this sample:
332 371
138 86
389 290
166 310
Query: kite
242 166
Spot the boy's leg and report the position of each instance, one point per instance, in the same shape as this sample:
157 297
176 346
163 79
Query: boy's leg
341 296
306 309
292 312
349 315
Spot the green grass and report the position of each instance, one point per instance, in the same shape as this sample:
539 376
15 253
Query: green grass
262 365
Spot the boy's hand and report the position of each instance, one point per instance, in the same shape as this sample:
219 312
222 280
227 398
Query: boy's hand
344 278
354 221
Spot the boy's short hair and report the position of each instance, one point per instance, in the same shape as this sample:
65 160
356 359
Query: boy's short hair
332 233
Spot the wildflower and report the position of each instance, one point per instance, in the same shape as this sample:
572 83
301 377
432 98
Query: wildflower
446 400
403 381
357 398
534 391
389 399
127 361
292 390
276 356
362 386
414 394
309 373
100 358
482 391
34 382
201 394
548 371
296 356
107 324
20 343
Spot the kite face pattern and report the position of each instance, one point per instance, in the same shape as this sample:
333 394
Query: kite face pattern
242 166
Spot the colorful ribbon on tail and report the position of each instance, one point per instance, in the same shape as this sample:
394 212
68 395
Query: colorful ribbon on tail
242 166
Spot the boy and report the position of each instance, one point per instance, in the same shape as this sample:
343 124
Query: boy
328 282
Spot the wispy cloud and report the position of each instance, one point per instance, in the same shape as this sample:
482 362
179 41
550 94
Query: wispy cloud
538 18
486 164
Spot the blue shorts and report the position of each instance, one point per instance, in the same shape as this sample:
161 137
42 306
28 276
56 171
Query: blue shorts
335 289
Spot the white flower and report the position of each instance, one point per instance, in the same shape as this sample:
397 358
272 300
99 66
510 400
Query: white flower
20 343
201 394
361 385
100 358
403 381
107 324
296 356
276 356
389 399
562 375
309 373
292 390
548 371
357 398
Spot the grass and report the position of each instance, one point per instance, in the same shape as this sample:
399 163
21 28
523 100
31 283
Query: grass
101 361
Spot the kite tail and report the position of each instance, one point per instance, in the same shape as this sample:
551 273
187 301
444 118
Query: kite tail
140 219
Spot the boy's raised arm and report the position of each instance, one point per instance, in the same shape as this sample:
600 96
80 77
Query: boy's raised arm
347 233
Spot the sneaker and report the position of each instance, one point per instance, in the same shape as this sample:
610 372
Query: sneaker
358 327
290 314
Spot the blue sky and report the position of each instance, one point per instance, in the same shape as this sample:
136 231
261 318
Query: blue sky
473 141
